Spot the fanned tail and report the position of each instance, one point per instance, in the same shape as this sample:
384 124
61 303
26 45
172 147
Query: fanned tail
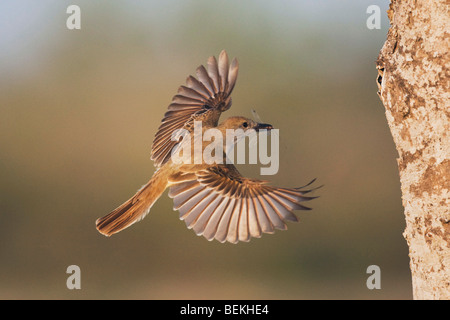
134 209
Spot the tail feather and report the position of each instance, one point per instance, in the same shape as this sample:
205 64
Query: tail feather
133 210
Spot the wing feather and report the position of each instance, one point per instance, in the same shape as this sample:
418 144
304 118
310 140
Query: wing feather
207 82
200 99
213 73
223 71
192 215
224 223
233 227
202 221
221 204
213 222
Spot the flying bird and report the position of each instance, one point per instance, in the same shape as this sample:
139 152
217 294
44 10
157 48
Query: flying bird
214 200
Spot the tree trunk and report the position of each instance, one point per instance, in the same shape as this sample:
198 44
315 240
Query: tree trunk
413 80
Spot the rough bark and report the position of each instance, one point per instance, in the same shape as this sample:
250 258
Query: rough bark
413 80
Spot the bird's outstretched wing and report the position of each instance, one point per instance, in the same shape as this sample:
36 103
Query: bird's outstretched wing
202 99
219 203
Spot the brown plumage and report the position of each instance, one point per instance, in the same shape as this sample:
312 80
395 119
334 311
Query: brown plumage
216 201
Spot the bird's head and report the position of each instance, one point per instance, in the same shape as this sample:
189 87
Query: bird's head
244 124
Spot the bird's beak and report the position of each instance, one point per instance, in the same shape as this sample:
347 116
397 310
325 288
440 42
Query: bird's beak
261 126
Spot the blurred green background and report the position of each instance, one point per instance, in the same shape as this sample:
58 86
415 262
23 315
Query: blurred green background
78 112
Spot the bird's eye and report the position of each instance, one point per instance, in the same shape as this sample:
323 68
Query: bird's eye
245 124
